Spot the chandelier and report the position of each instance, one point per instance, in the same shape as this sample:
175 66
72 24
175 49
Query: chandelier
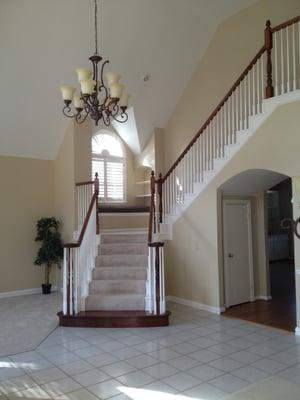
96 99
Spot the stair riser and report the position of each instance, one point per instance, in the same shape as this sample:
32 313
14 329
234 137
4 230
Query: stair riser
110 249
123 287
123 238
122 260
119 273
108 304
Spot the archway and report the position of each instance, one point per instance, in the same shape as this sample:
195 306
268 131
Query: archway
271 299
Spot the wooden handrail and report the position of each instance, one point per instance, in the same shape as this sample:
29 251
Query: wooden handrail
84 226
216 110
286 24
94 199
84 183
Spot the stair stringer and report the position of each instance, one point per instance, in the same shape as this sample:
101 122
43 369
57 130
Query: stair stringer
242 136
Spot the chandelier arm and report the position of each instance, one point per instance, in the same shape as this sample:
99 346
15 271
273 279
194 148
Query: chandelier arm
67 111
102 70
124 117
80 118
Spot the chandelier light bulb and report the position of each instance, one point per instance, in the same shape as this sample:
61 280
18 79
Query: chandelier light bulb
112 78
78 102
124 100
67 92
83 73
87 86
116 90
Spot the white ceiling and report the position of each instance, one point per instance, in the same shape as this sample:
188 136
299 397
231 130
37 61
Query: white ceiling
43 41
251 182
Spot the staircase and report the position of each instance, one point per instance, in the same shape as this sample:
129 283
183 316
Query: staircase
119 277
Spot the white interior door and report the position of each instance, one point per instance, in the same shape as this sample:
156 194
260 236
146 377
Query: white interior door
238 263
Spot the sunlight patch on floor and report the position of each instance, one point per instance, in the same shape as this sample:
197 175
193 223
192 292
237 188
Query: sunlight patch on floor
146 394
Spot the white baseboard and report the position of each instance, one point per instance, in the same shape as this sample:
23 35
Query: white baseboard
194 304
24 292
297 331
267 298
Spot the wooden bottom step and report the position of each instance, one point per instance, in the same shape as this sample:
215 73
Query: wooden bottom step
114 319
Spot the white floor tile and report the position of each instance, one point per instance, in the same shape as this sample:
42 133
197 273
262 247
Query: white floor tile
47 375
81 394
229 383
164 354
117 369
16 384
76 367
205 372
205 391
181 381
205 355
61 386
91 377
135 379
183 363
142 361
226 364
268 365
245 357
101 360
160 371
250 374
126 353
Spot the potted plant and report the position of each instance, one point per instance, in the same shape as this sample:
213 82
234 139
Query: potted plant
51 250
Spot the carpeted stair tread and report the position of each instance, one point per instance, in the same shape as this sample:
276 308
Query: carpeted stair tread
115 302
124 238
120 273
111 287
119 260
123 248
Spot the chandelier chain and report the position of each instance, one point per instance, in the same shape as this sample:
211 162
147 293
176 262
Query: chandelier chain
96 27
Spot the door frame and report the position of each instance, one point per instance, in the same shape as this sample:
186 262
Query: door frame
246 202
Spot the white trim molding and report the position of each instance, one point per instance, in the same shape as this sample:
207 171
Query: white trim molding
297 331
261 297
194 304
123 214
24 292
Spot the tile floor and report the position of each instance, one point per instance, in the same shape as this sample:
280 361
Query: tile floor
199 356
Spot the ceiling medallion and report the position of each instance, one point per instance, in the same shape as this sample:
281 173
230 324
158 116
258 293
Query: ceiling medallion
96 99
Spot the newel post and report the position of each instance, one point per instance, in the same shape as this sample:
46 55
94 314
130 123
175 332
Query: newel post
159 190
152 207
269 46
96 192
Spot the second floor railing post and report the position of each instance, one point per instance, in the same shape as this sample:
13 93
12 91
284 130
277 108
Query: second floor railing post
159 191
269 45
96 189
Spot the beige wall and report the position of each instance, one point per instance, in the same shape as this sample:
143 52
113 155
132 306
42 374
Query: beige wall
83 151
64 167
234 44
193 256
27 194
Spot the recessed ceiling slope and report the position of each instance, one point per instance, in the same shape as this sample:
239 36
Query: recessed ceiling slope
42 42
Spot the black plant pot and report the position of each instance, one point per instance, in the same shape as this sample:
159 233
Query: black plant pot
46 288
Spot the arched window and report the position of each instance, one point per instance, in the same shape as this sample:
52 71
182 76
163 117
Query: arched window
108 160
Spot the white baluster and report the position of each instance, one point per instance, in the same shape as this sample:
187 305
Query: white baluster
253 91
294 58
276 75
282 62
288 60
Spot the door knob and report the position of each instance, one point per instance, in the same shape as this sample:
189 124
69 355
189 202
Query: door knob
230 255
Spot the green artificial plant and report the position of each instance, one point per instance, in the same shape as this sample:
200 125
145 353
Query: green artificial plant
51 250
